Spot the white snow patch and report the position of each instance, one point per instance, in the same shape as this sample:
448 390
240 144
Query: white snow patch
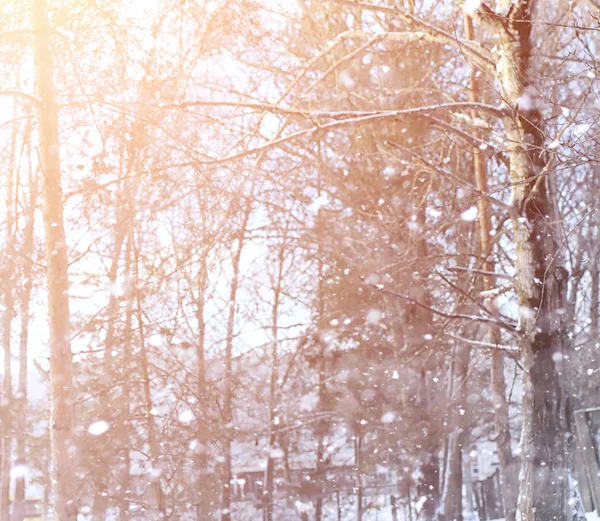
186 416
276 454
388 417
583 128
470 214
374 316
98 428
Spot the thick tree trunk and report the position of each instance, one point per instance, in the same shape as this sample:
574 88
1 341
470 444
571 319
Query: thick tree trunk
541 279
65 507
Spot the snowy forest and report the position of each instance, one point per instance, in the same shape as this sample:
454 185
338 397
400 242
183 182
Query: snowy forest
300 260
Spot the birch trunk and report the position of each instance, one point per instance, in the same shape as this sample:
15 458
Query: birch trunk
65 508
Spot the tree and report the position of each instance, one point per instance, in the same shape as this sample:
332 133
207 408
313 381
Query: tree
65 506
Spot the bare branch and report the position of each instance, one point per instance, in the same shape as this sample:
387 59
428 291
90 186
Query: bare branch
453 316
434 34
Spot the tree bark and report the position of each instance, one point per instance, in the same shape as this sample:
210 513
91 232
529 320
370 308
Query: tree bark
153 442
25 300
358 439
10 274
451 503
125 405
65 507
270 469
595 293
206 487
228 393
507 462
541 279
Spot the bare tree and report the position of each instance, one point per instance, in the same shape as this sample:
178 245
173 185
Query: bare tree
65 506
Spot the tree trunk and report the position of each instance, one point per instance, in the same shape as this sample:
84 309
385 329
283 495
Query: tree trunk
507 462
451 503
206 487
113 303
321 425
428 484
359 473
10 275
65 507
393 504
25 298
418 323
228 393
153 442
270 469
595 294
125 405
541 279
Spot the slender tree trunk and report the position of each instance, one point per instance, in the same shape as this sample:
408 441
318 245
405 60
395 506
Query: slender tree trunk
8 286
148 403
321 432
113 302
418 323
451 503
394 505
65 507
541 278
200 345
508 463
125 213
270 469
25 300
321 425
428 485
125 406
595 294
228 398
206 488
359 474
